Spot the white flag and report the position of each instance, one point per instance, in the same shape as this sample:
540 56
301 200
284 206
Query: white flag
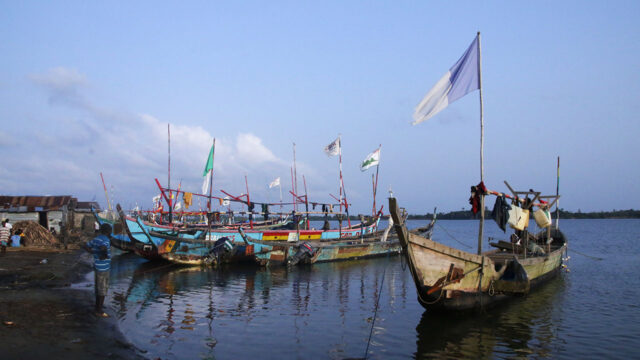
462 78
225 202
371 160
333 149
178 206
205 183
275 183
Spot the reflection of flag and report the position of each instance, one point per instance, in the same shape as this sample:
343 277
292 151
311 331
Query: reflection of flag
371 160
208 169
462 78
274 183
333 149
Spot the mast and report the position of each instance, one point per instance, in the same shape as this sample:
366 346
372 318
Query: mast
295 172
105 192
306 201
169 173
211 174
375 186
246 183
558 195
480 230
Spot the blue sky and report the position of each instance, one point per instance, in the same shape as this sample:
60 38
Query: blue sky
89 87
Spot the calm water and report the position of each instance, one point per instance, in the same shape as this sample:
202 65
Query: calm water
326 311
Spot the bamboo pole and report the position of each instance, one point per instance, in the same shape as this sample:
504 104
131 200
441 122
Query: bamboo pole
481 228
558 195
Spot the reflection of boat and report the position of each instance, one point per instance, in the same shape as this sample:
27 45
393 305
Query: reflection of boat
509 330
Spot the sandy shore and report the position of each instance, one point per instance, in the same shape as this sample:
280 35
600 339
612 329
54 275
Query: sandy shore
42 317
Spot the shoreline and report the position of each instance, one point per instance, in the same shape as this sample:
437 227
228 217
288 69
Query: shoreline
42 316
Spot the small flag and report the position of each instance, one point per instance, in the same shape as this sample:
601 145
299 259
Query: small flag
225 202
333 149
275 183
462 78
372 159
208 169
178 206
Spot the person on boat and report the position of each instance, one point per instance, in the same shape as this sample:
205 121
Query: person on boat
100 247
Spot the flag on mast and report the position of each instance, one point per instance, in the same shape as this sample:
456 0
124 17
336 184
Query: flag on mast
333 149
274 183
208 170
372 159
462 78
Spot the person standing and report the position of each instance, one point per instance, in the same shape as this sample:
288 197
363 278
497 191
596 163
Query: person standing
5 232
100 247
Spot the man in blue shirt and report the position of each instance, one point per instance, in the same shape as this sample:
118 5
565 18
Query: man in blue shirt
100 247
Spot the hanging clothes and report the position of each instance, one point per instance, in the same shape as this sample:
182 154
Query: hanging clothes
187 199
500 212
476 193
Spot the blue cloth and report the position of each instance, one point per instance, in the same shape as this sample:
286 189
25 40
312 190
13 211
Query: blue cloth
15 240
95 245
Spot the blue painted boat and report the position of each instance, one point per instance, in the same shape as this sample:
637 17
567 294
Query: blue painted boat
215 246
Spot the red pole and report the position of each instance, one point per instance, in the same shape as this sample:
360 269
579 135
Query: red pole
105 192
248 202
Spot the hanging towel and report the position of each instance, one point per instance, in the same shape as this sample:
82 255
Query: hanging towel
500 212
186 198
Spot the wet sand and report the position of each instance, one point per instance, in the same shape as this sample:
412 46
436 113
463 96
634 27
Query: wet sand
41 316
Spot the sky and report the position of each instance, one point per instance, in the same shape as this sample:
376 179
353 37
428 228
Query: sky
92 87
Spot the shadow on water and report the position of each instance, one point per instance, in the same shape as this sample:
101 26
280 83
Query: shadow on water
523 327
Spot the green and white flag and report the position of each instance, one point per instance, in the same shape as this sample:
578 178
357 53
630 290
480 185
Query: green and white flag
372 159
208 170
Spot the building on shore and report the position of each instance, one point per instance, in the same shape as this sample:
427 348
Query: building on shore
57 212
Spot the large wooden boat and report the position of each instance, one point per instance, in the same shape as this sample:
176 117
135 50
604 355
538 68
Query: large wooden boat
450 279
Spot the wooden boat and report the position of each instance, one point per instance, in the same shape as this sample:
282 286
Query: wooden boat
450 279
214 246
355 243
118 238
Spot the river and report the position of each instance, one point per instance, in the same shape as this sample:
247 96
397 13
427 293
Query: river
326 311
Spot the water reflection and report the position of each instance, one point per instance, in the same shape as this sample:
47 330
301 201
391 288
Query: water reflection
523 327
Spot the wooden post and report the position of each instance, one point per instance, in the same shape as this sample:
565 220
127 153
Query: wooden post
169 174
558 195
481 228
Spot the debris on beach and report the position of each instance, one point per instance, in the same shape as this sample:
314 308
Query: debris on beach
35 234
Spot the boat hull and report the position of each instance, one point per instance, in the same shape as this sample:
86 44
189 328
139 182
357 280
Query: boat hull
448 279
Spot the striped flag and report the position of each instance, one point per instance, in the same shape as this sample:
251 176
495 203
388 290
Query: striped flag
208 170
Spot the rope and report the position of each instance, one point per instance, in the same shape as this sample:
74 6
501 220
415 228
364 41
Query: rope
589 256
375 313
451 236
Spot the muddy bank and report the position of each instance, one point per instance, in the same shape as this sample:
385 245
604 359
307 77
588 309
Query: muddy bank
42 317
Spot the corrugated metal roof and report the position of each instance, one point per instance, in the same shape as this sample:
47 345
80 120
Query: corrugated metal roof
35 203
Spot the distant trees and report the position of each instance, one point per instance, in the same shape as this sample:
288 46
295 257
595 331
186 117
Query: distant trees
564 214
